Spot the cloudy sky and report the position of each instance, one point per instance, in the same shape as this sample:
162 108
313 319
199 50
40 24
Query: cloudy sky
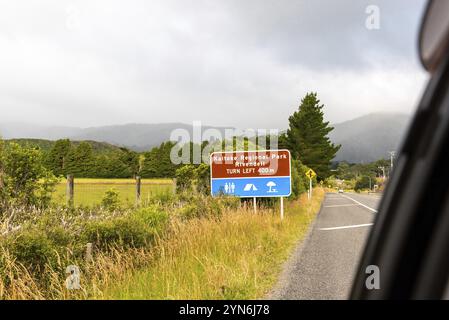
227 63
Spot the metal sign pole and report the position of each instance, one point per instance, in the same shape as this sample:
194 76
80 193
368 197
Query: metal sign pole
282 208
310 188
255 205
310 174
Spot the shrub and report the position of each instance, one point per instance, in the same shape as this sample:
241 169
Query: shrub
199 206
111 200
164 197
363 183
33 249
300 183
127 231
202 177
153 217
232 203
23 178
184 177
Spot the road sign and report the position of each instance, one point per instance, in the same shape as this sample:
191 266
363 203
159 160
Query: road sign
249 174
310 174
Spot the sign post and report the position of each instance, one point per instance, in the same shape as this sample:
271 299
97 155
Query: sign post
310 174
251 174
282 208
255 205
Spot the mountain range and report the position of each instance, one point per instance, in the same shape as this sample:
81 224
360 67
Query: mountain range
369 138
364 139
137 137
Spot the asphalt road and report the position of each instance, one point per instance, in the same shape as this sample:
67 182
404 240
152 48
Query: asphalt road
324 265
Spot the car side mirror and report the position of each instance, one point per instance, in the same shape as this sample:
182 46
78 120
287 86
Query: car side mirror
434 34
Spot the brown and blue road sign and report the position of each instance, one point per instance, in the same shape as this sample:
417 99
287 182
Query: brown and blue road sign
248 174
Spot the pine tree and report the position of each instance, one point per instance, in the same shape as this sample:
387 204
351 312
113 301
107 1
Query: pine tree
56 159
157 163
307 136
81 161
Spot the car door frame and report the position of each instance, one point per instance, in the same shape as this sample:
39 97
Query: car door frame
408 242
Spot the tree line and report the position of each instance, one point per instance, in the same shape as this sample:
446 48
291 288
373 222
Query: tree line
306 138
65 158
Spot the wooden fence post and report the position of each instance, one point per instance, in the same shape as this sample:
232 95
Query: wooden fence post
138 189
175 182
89 255
70 189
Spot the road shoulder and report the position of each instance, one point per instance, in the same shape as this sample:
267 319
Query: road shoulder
279 290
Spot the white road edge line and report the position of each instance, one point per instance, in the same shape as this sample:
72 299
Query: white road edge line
341 205
347 227
359 203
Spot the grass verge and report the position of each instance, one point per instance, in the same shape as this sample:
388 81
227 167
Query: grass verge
238 256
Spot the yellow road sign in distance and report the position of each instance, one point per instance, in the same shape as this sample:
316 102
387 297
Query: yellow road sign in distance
310 174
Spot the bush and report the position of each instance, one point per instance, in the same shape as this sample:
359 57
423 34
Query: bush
111 200
134 230
23 178
300 183
232 203
120 231
363 183
199 206
34 249
153 217
160 198
184 178
202 177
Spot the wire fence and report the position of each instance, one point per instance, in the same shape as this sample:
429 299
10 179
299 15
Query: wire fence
90 192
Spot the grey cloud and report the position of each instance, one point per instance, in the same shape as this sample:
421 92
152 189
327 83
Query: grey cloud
89 63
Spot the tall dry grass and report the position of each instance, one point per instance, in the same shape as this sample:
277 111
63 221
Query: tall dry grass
236 256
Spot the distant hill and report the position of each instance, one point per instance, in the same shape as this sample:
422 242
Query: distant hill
46 145
137 137
370 137
363 139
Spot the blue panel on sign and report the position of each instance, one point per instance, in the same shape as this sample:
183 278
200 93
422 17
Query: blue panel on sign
252 187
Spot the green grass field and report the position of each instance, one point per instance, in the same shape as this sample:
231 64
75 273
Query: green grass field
90 192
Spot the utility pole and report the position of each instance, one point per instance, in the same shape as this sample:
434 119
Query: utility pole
392 155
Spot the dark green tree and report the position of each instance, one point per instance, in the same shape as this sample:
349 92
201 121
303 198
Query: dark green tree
112 166
307 136
131 160
81 161
56 159
157 162
364 182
